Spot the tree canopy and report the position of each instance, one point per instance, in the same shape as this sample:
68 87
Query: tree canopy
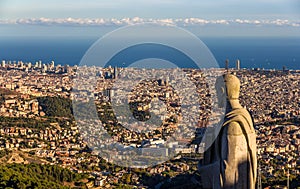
20 176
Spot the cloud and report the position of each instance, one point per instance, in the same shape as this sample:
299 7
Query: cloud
138 20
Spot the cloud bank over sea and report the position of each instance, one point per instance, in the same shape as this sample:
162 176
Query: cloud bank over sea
182 22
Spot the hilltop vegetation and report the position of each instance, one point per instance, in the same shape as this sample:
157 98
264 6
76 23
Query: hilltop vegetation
20 176
56 106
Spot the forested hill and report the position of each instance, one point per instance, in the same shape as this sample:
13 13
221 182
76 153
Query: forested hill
56 106
20 176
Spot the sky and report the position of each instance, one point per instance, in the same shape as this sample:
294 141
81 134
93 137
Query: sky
207 17
220 9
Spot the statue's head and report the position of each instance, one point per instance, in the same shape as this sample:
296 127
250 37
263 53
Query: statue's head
228 88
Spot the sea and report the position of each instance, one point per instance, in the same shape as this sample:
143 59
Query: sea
253 52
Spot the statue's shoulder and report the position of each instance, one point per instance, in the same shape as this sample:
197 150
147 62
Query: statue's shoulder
237 121
234 128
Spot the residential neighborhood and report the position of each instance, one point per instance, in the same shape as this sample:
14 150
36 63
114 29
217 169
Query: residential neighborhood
34 130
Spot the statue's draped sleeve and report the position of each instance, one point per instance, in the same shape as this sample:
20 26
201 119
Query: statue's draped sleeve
230 162
238 151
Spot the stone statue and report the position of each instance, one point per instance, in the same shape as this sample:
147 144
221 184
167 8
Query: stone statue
230 162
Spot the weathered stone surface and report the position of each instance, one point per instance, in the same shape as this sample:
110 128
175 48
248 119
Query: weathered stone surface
231 160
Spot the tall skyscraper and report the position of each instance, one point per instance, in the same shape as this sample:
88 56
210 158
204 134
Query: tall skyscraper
115 72
238 64
3 63
29 65
52 65
226 64
40 64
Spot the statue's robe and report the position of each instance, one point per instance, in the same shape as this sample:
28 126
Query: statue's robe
231 161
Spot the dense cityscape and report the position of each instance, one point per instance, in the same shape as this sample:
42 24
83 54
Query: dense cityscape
38 125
